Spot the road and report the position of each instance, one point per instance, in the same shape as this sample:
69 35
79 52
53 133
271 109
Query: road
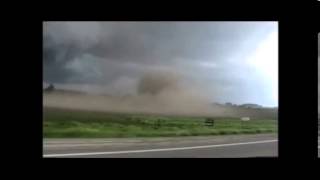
227 146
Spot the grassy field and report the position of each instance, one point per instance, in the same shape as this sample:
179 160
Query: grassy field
59 123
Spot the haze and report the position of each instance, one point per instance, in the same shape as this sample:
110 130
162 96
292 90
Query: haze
175 66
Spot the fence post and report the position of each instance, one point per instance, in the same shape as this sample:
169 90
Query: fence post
209 122
157 124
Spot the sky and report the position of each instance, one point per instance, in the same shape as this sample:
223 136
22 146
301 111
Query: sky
318 73
222 61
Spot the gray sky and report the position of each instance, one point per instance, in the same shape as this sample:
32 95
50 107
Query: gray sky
318 73
228 61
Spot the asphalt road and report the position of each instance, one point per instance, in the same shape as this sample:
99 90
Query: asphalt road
228 146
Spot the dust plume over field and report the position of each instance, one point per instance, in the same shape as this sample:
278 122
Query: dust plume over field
162 92
157 93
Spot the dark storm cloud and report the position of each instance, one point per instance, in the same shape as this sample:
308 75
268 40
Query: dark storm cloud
55 57
108 52
149 42
141 42
318 73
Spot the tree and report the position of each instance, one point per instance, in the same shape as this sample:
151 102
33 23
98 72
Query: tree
49 88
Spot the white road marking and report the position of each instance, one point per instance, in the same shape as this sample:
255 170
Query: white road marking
157 150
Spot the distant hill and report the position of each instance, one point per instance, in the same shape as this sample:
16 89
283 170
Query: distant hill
250 110
251 106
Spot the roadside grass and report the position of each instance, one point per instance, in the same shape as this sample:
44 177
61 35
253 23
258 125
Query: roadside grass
61 123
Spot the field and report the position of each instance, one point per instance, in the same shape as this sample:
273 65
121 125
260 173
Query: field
60 123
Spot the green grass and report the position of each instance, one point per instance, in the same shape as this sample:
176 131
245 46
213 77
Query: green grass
58 123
